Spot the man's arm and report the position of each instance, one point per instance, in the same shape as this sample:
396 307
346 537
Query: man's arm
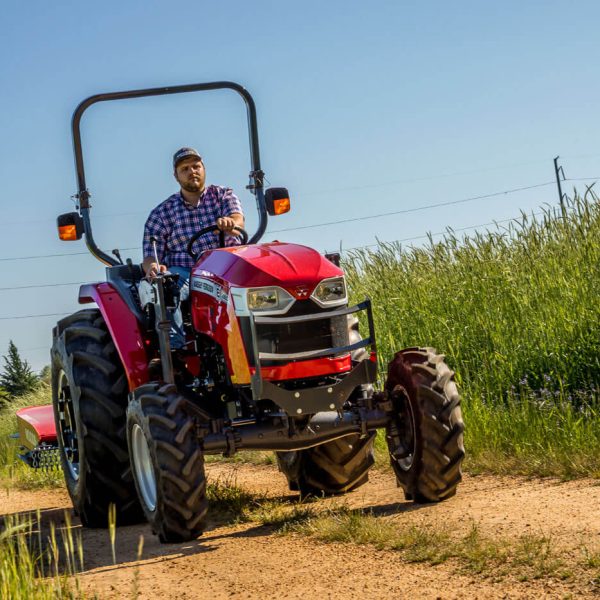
154 229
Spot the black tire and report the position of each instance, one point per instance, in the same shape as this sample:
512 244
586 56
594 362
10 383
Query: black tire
168 426
89 395
425 439
332 468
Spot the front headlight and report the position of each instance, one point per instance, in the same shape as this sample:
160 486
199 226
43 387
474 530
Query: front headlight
274 300
330 292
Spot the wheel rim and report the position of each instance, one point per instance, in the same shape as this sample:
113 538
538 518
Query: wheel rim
67 426
144 471
404 455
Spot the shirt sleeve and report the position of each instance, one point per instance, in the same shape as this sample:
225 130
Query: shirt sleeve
155 227
230 203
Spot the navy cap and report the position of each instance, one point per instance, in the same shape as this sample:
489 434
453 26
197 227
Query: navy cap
184 153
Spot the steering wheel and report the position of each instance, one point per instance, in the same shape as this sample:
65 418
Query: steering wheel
213 228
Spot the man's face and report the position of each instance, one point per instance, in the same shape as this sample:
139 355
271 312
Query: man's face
190 174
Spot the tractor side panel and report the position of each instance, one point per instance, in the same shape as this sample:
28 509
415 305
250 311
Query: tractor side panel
213 315
124 330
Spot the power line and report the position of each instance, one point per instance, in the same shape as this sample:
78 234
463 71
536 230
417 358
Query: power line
448 230
57 255
315 225
43 285
338 189
419 208
33 316
410 239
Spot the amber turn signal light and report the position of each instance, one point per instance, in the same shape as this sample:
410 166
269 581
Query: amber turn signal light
70 227
277 201
67 233
282 205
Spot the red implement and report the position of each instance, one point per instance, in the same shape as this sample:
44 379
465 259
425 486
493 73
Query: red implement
36 425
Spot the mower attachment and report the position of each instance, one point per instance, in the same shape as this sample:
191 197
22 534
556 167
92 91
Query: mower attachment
37 434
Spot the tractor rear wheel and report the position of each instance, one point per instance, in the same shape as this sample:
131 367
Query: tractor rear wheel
335 467
167 461
89 395
425 439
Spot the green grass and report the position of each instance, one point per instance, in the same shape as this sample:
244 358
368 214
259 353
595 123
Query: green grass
516 312
525 557
32 568
231 503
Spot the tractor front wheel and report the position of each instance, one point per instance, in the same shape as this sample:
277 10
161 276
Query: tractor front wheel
167 461
425 437
335 467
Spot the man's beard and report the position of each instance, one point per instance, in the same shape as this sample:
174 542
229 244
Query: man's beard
192 186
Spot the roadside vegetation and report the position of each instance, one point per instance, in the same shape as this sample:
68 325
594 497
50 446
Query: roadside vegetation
516 312
524 557
37 568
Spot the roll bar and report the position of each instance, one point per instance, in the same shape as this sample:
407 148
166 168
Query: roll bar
256 174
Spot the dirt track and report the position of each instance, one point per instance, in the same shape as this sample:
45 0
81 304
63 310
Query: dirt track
251 561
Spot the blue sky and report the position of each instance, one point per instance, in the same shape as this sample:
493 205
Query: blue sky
363 109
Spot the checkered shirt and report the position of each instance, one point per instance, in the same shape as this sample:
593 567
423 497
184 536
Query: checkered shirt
174 221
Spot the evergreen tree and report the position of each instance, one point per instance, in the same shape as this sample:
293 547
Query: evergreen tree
45 375
17 378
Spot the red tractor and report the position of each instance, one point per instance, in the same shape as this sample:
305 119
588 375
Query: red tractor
274 362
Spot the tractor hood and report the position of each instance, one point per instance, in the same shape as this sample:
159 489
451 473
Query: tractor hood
289 266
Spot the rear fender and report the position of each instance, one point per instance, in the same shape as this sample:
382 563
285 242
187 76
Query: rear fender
124 329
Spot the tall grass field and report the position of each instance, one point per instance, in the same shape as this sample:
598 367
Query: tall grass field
516 310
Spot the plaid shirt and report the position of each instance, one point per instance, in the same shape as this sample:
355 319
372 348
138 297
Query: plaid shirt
174 221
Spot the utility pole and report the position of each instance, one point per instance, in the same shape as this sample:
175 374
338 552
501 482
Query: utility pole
559 171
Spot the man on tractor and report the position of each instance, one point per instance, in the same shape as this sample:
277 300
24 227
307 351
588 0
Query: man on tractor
174 221
275 362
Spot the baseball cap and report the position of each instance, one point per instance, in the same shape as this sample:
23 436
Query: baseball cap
184 153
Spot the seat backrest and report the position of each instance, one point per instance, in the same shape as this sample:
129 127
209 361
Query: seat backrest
125 278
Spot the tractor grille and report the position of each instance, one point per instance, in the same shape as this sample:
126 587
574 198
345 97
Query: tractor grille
289 338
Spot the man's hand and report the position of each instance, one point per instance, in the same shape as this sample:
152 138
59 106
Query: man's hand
152 268
227 224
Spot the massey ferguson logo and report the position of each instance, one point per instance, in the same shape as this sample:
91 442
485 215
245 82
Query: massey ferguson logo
302 291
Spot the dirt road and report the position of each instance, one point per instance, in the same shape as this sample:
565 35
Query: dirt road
253 561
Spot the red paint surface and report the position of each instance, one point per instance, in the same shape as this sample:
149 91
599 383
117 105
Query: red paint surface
307 368
41 418
217 320
277 263
297 269
124 330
